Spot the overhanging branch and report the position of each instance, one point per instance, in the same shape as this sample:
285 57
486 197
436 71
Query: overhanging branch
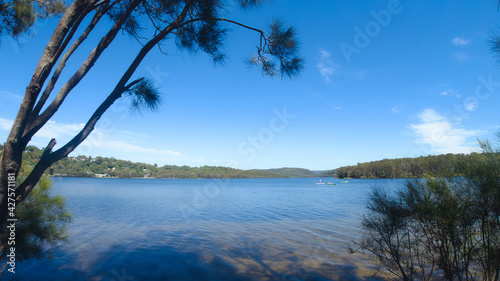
50 157
66 56
42 119
262 33
30 182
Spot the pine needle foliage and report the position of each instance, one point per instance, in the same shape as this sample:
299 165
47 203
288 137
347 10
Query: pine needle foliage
17 16
144 95
198 26
42 220
439 228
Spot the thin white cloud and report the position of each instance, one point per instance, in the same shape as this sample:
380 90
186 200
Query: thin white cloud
50 130
59 131
459 41
11 95
441 135
124 147
450 92
460 56
398 108
326 66
5 124
99 141
324 54
470 106
447 92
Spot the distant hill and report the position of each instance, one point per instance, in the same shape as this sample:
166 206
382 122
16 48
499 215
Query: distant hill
291 172
83 166
434 166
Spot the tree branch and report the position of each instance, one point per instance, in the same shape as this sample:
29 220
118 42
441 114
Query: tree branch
262 33
12 155
149 45
40 121
61 37
67 55
120 88
49 58
30 182
49 157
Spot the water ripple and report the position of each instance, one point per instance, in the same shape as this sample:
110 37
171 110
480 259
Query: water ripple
266 229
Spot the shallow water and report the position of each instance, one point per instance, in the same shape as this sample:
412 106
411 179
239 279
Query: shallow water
238 229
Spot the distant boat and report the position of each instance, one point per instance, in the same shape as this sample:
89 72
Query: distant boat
331 183
320 182
345 181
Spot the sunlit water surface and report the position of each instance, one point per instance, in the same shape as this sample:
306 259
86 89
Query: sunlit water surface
238 229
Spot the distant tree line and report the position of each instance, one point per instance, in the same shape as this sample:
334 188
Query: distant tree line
445 228
83 166
87 166
445 165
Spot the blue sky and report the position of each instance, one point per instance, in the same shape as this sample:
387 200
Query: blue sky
383 79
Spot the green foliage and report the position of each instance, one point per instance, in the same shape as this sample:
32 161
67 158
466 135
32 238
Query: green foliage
17 16
144 95
278 53
445 165
283 46
445 228
42 218
495 46
206 34
249 4
83 166
292 172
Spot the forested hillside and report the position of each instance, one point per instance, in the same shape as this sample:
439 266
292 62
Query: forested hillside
83 166
290 172
432 166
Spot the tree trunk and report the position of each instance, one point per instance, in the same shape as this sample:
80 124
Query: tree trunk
14 147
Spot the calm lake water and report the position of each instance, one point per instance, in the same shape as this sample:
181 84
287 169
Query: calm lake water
237 229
